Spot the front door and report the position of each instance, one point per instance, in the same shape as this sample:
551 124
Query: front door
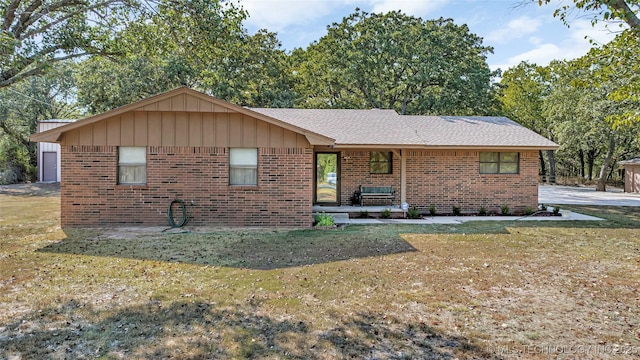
327 179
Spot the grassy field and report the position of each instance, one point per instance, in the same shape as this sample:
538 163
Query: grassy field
479 290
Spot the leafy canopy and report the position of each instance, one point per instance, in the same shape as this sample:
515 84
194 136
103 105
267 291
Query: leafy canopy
398 62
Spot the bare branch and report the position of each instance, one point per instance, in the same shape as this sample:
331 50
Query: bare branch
10 14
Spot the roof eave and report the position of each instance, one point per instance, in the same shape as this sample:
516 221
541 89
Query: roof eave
445 147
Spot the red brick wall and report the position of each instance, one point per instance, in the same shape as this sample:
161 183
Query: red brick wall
446 179
452 178
90 195
354 166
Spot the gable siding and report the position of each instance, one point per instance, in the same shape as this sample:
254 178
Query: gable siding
166 128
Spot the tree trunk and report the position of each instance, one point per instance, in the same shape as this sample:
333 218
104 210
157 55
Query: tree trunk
591 158
552 166
581 156
543 167
602 181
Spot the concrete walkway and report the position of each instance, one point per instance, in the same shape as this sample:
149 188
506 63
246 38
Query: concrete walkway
547 194
428 220
583 195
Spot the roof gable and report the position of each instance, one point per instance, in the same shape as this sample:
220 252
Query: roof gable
181 99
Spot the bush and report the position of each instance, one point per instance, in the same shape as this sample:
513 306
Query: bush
543 207
528 211
364 214
482 211
456 210
432 210
385 213
504 209
324 220
413 213
556 210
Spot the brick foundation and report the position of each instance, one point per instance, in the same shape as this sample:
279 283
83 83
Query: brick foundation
90 195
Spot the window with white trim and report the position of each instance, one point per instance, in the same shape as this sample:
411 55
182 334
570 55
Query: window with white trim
243 166
499 162
132 165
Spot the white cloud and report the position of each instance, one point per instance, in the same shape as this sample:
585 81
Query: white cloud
276 15
574 45
515 29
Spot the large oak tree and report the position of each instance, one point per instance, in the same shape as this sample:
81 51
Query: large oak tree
397 62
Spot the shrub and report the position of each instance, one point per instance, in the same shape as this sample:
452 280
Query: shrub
385 213
456 210
556 210
482 211
324 220
504 209
528 211
364 214
432 210
413 213
543 207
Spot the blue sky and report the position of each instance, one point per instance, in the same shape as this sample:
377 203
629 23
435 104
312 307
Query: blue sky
517 32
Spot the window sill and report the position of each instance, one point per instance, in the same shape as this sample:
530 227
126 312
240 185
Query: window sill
243 187
132 186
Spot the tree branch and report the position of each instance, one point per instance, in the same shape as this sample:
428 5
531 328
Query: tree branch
621 7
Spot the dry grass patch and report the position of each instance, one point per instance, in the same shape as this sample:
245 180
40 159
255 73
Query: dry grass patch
478 290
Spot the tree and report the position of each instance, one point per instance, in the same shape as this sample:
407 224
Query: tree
588 116
22 105
36 34
604 10
524 90
200 44
398 62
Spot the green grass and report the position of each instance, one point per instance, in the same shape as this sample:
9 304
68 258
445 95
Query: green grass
475 290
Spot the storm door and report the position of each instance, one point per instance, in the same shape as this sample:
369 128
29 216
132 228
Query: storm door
327 179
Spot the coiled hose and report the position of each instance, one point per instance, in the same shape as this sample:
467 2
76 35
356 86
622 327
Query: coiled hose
184 218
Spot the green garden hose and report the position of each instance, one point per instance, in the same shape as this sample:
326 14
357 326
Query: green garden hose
184 219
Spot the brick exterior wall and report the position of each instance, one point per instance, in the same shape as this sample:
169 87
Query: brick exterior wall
90 195
354 166
446 179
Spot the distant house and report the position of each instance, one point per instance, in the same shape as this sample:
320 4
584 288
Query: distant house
631 174
268 167
49 153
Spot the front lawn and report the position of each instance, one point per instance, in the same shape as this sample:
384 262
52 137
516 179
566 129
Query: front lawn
479 290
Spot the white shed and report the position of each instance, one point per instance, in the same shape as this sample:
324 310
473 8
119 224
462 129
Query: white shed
49 153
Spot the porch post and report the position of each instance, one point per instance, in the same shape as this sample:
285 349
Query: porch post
403 176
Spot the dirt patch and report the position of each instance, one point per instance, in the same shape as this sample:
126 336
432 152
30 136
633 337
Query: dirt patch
31 189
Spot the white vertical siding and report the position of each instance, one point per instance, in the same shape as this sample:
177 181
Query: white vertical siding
49 147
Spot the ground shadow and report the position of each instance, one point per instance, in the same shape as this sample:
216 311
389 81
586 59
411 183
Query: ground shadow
243 249
199 330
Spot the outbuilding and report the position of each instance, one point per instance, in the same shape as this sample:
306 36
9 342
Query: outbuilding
631 174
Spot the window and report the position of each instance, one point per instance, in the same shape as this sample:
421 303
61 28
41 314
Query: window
499 162
132 165
380 162
243 167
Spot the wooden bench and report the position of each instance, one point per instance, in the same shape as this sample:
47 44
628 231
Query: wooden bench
376 193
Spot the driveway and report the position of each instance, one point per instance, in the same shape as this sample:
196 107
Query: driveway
582 195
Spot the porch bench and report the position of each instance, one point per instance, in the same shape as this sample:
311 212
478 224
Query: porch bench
377 193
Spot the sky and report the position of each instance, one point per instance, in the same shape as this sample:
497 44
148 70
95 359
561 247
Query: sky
517 32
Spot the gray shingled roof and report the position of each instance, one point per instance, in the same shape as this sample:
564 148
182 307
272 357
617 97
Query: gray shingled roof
386 127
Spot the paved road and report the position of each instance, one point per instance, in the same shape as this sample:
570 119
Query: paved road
577 195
